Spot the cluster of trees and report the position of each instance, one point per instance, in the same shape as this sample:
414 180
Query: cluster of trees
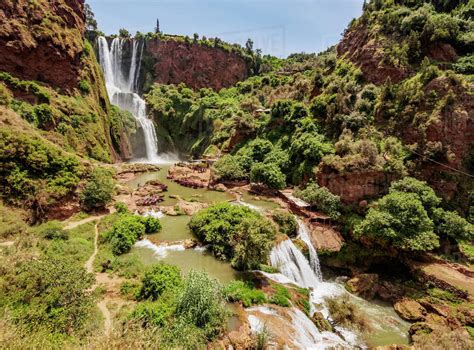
128 229
99 189
321 199
409 218
187 311
235 233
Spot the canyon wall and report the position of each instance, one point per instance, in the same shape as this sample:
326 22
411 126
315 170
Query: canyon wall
43 40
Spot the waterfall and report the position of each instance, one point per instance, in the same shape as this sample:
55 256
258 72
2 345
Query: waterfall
122 88
303 234
293 264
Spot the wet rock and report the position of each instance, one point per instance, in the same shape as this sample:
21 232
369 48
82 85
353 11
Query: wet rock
410 310
389 292
220 188
364 285
322 323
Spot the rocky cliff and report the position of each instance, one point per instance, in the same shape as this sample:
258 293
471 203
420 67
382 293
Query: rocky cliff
42 40
196 65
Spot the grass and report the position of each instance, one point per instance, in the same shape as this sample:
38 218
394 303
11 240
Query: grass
244 292
281 296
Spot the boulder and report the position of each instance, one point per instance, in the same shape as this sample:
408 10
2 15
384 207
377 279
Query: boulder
364 285
320 322
410 310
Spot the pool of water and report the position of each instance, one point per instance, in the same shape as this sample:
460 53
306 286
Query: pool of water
174 228
260 202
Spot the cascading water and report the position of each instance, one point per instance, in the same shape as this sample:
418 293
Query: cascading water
303 234
122 88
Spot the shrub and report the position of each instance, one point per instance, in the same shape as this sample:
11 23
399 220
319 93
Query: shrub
321 198
244 292
161 278
268 174
52 230
235 233
281 296
11 222
152 225
424 192
5 96
450 224
124 233
121 208
84 86
228 168
55 295
99 190
201 303
400 220
154 313
286 222
346 314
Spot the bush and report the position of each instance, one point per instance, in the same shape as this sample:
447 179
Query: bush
201 303
121 208
321 198
244 292
281 296
346 314
55 295
228 168
235 233
424 192
161 278
99 190
400 220
52 230
450 224
152 225
286 222
84 86
154 313
124 233
268 174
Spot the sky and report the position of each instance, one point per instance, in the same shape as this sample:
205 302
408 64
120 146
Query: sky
277 27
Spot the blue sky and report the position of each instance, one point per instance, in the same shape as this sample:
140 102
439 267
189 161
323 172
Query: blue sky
278 27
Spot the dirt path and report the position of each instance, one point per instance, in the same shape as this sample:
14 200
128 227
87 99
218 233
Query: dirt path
74 224
89 266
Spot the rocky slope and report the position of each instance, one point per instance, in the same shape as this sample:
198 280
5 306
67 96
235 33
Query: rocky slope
197 66
42 40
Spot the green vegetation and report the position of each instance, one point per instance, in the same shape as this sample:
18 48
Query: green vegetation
321 198
407 219
99 190
346 314
281 296
159 279
244 292
127 229
235 233
286 221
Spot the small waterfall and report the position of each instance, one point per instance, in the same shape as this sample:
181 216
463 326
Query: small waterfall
160 251
303 234
293 264
122 88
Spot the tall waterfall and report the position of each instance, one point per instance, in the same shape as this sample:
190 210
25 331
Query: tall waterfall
122 87
303 234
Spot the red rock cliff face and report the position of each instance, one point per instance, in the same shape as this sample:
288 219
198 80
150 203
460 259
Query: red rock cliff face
42 40
195 65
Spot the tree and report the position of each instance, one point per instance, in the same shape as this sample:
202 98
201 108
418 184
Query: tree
321 198
159 279
228 168
234 233
195 38
55 295
157 28
399 220
450 224
124 33
202 303
425 193
99 190
286 222
125 232
268 174
91 23
249 45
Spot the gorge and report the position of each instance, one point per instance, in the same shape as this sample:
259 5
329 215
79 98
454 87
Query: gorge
174 192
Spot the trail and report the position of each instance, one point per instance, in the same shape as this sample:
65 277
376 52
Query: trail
74 224
89 266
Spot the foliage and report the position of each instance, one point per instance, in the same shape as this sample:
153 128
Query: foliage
201 303
52 230
152 225
286 222
425 193
124 233
228 168
450 224
159 279
99 190
281 296
244 292
321 198
400 220
235 233
11 222
54 295
268 174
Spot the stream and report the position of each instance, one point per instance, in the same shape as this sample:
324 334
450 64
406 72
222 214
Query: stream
388 328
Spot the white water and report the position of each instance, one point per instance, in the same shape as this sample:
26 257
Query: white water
122 88
159 251
303 234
